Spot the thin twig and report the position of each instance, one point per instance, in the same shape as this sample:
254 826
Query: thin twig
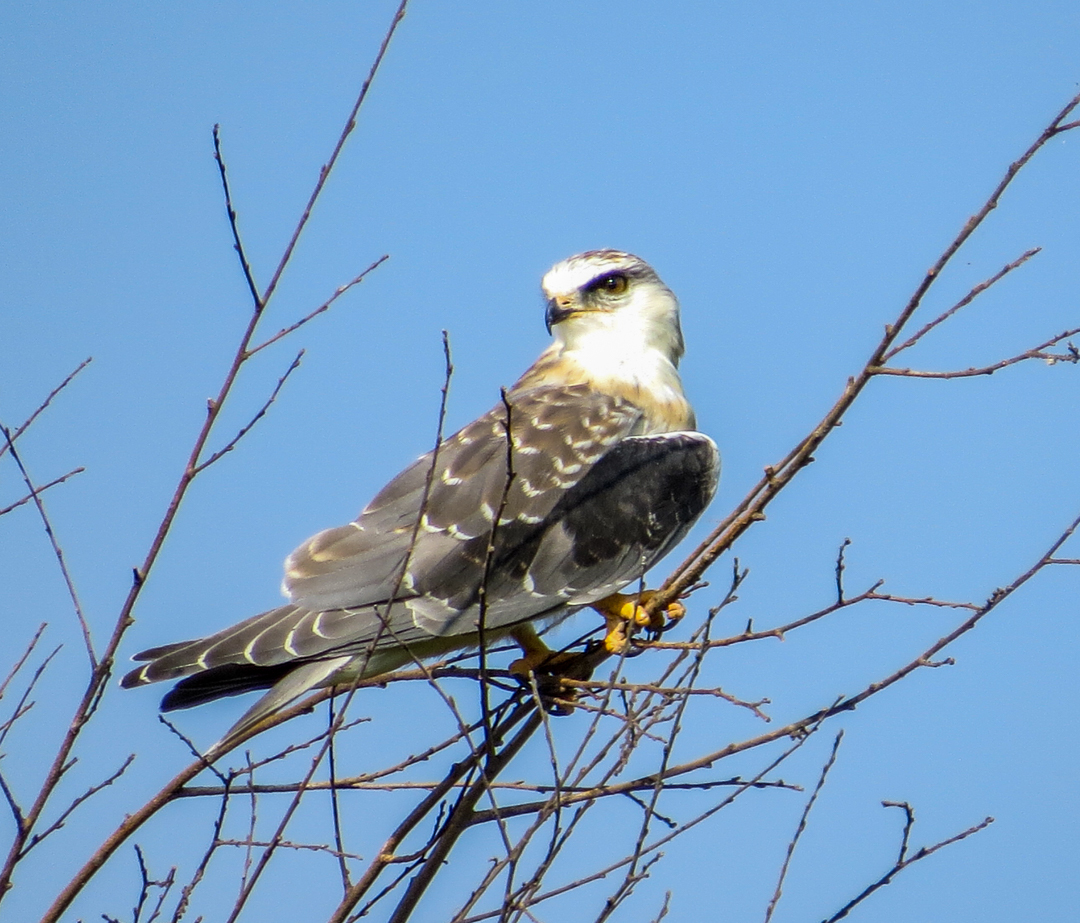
324 172
44 404
335 809
238 244
244 430
325 306
1037 352
919 854
21 662
801 827
21 707
962 303
40 490
58 552
71 808
752 508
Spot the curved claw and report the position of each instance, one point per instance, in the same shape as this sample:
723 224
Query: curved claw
624 614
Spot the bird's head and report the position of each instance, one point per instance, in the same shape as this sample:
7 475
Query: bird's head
607 299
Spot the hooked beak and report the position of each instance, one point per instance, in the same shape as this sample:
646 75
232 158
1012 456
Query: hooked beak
559 309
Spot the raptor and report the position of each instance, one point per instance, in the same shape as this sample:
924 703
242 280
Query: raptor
584 475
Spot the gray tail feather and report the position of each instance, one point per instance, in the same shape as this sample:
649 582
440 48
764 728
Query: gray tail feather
287 689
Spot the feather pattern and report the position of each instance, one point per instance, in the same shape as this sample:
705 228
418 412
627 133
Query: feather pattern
591 481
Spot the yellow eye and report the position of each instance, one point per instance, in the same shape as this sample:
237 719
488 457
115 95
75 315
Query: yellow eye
614 283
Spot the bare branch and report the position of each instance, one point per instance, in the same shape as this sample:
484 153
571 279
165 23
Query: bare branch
44 404
325 306
903 863
962 303
21 662
671 692
231 444
21 707
752 508
71 808
1037 352
801 827
324 173
238 244
58 552
40 490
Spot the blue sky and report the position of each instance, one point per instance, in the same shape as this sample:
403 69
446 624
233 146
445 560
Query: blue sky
790 170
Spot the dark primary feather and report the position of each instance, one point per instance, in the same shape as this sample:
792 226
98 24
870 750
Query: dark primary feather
586 509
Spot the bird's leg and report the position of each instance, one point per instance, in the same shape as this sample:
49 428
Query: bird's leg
535 651
547 668
624 613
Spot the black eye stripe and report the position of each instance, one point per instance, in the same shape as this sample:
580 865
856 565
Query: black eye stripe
608 281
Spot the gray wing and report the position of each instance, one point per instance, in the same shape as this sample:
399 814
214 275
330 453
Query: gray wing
340 582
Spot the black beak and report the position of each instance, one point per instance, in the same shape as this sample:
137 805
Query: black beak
558 310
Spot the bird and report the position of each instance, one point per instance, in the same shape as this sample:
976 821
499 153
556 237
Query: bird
585 473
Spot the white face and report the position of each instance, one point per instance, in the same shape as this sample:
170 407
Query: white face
610 299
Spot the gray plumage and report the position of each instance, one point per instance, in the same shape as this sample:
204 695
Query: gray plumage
590 497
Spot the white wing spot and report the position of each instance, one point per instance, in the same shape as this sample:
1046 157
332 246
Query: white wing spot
458 534
316 626
288 643
572 468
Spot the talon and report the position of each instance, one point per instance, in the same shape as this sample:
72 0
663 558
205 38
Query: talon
548 667
624 613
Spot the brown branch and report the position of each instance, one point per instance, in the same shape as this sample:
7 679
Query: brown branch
238 244
963 302
1038 352
103 667
325 306
288 844
670 692
801 828
40 490
350 785
21 707
71 808
58 552
752 508
656 844
244 430
335 808
903 862
781 631
44 404
166 795
386 855
324 172
456 824
801 726
204 863
21 662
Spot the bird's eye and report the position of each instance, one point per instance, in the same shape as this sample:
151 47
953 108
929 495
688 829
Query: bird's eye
614 283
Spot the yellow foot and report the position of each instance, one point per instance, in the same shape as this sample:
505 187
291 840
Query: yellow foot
547 668
624 614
